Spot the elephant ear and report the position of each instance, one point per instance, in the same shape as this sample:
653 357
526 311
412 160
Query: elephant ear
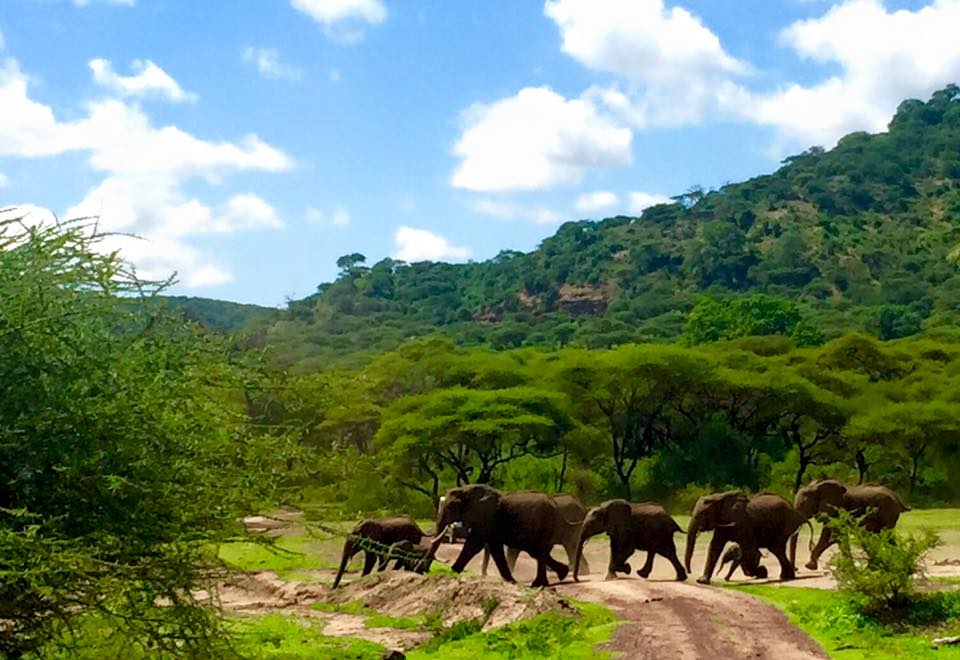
734 509
481 510
618 514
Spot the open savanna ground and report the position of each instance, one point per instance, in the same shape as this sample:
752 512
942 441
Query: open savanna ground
286 608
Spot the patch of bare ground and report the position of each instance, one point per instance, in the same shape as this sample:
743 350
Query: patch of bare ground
394 594
689 622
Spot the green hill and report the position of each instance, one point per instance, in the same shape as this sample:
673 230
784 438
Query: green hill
863 236
220 314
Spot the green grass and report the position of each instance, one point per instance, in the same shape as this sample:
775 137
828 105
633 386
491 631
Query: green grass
277 637
545 636
291 557
846 635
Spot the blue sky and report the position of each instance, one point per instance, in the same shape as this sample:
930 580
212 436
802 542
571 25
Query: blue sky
249 144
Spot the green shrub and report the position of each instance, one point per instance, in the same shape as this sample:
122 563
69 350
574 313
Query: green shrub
878 571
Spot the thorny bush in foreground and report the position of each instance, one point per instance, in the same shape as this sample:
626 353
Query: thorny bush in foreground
124 450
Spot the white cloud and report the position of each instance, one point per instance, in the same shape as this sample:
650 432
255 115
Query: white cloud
507 210
590 202
675 66
338 217
149 80
421 245
268 63
84 3
883 56
641 200
340 18
4 180
536 139
145 170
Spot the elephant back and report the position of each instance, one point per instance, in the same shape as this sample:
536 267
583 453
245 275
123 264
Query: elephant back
772 519
884 504
650 520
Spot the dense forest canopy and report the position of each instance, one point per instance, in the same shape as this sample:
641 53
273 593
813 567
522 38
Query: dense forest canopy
862 237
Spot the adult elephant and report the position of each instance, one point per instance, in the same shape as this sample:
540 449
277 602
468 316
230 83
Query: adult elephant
373 537
762 521
631 526
526 521
571 510
879 506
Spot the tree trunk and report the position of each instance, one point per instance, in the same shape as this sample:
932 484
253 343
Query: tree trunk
862 466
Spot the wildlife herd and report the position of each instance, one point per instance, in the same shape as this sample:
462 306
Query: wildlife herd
503 524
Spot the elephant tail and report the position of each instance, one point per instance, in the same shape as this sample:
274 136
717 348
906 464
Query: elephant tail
810 545
677 529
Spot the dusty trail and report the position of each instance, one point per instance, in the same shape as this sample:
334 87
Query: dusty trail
689 622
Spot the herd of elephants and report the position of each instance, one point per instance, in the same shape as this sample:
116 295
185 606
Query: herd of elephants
491 520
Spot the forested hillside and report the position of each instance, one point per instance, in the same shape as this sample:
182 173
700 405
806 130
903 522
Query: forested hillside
865 236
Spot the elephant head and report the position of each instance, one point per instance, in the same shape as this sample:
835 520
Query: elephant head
612 517
820 496
475 506
713 512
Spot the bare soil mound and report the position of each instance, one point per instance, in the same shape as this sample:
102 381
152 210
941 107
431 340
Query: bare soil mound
452 599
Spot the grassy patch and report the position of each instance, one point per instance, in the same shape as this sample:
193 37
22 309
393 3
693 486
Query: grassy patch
277 636
290 556
545 636
847 635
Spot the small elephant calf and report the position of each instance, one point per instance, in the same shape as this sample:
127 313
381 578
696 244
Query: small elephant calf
750 565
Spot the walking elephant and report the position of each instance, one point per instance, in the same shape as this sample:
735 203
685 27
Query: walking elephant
526 521
630 526
372 537
880 506
762 521
572 511
409 557
734 556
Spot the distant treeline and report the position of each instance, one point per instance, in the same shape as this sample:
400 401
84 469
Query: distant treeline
639 421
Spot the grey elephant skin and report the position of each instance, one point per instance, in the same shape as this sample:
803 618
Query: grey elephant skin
382 531
526 521
762 521
631 526
573 511
734 556
409 556
879 506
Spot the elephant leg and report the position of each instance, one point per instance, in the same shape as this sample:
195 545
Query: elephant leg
713 554
369 560
619 553
496 551
734 565
471 547
647 565
786 567
486 561
512 554
541 579
557 567
824 542
670 552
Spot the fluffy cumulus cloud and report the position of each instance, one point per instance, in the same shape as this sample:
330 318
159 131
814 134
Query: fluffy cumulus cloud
642 200
148 80
343 20
598 200
145 169
883 57
673 67
269 64
536 139
421 245
509 210
336 217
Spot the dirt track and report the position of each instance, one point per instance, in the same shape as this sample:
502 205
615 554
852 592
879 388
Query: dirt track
677 620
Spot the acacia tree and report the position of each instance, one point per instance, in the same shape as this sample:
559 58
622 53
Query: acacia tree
469 433
120 463
633 393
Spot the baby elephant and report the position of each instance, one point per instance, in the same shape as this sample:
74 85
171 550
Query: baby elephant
749 562
408 557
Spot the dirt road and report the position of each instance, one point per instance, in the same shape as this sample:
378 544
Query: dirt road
665 619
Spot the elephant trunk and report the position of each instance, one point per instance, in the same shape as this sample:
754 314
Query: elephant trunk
591 526
424 564
692 530
349 550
